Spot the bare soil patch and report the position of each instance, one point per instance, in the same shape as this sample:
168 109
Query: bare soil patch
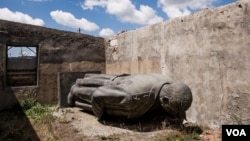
150 127
75 124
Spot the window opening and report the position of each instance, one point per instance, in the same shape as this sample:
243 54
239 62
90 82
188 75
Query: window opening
21 66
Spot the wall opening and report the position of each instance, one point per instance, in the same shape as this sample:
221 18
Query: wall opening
21 65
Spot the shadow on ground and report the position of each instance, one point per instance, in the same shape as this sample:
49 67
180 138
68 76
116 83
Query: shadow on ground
151 121
14 125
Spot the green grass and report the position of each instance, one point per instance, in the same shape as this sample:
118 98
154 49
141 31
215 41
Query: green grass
35 110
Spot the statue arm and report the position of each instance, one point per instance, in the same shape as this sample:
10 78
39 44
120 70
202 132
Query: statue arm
81 92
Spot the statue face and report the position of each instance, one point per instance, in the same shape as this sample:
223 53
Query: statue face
166 95
175 97
166 104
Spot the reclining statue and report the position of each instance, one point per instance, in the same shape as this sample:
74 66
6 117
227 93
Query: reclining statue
130 95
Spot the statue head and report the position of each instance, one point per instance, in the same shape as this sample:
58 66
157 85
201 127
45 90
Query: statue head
175 98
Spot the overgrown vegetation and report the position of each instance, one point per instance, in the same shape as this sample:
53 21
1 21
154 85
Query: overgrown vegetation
35 110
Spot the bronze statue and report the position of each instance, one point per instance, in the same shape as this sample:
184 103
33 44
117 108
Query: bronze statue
130 95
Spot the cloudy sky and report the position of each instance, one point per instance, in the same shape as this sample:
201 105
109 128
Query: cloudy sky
100 17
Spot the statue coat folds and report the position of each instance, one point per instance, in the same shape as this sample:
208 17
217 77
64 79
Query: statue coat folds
120 95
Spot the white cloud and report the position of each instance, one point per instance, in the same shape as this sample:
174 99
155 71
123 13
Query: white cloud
67 19
6 14
176 8
126 11
89 4
106 32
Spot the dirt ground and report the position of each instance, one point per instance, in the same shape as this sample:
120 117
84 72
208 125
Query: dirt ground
76 124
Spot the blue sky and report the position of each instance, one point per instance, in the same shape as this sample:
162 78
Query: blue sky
100 17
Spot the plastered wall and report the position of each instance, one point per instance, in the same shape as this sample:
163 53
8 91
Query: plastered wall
208 50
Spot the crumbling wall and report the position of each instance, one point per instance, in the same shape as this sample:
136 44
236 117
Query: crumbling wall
58 51
208 50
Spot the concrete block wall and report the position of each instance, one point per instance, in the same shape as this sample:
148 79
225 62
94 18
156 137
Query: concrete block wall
208 50
58 51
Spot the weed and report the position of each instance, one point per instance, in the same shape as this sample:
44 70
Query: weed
27 103
37 112
40 113
195 136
